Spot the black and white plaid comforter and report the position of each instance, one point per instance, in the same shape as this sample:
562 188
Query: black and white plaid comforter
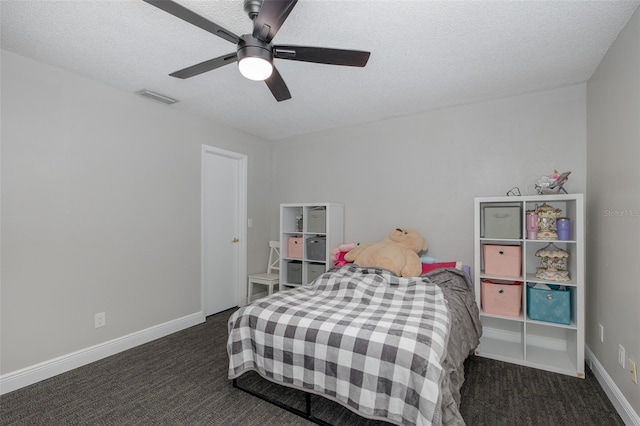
368 339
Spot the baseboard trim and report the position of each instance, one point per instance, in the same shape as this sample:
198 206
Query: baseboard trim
44 370
624 409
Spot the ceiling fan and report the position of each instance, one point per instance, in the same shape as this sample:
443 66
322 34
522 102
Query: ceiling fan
254 52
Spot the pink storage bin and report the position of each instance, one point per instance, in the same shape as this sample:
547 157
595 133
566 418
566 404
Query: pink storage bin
501 298
502 261
294 249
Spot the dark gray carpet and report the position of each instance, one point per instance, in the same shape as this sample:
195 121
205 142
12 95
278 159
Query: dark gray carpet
182 380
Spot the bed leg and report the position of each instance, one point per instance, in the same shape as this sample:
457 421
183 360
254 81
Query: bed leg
306 415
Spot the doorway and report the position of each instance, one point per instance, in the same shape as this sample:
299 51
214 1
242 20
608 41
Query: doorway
224 215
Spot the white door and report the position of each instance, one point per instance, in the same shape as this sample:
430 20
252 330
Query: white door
223 233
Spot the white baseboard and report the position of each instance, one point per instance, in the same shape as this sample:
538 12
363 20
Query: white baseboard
625 410
44 370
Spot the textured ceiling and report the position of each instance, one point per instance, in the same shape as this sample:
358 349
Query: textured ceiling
424 54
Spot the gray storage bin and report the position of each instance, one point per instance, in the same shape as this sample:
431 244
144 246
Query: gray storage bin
316 248
317 220
502 222
294 272
314 270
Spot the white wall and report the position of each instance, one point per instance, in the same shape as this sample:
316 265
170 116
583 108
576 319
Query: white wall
101 211
423 171
613 209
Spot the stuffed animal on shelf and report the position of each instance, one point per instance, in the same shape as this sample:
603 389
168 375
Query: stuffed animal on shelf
398 252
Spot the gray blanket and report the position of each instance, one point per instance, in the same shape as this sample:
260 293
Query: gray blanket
466 330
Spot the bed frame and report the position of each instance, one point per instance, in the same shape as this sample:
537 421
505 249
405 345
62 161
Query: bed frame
307 414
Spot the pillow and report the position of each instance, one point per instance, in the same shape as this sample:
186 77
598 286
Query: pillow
428 267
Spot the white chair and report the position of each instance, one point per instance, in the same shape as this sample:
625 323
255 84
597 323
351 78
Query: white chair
269 278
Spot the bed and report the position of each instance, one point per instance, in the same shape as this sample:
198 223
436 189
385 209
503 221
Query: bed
385 347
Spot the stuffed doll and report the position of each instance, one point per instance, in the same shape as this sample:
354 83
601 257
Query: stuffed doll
338 254
398 252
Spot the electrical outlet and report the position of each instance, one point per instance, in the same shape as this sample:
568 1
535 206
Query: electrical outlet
100 320
601 333
621 355
633 367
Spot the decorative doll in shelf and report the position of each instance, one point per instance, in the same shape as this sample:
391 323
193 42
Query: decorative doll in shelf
553 264
547 216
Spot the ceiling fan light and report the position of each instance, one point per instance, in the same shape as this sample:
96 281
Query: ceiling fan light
254 68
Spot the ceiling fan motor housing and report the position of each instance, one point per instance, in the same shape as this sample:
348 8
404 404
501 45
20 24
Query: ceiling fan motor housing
251 47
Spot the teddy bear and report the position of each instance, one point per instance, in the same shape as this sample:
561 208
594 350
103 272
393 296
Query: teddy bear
398 252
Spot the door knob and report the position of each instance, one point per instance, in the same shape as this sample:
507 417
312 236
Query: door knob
235 240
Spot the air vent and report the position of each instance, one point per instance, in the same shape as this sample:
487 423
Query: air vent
157 97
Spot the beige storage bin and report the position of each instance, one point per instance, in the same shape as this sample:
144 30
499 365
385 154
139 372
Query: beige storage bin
502 222
317 220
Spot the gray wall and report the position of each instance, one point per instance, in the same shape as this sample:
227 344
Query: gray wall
423 171
613 207
101 211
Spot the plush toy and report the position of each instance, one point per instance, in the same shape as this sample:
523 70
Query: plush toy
338 253
398 252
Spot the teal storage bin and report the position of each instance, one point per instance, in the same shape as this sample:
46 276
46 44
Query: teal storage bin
549 305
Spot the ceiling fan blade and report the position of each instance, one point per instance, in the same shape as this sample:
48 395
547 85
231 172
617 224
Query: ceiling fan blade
193 18
271 17
322 55
205 66
277 86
